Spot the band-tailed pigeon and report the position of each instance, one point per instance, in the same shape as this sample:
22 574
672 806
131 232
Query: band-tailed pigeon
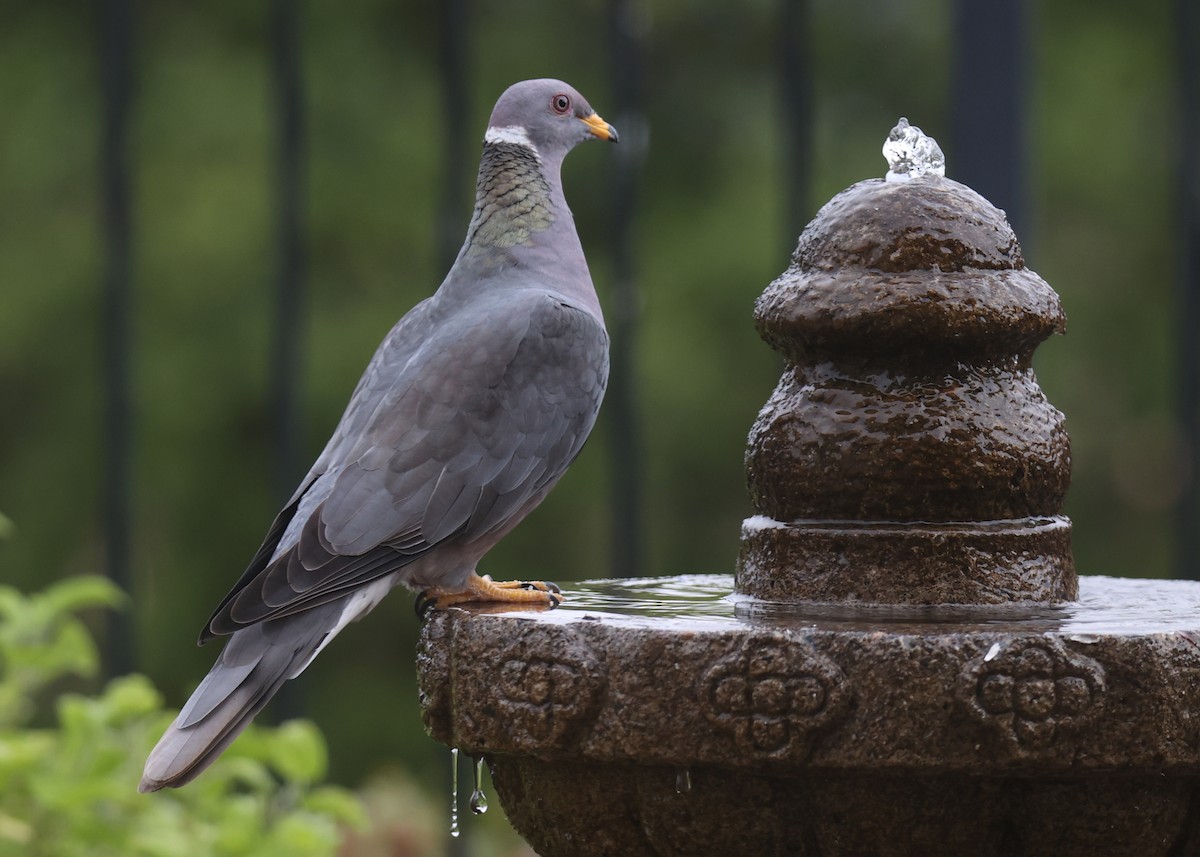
467 415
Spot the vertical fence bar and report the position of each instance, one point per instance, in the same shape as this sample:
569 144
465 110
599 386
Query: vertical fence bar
116 47
628 21
796 101
287 346
1188 521
457 173
988 104
287 358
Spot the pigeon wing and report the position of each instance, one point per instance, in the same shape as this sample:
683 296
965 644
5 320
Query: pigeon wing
480 421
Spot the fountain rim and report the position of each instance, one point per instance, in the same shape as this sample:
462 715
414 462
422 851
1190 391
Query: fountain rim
985 701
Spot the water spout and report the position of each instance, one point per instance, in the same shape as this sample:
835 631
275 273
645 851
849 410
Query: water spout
911 153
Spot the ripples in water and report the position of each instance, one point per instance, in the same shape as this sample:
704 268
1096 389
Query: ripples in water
1106 605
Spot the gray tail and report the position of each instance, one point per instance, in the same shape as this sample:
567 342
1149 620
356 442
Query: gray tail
252 667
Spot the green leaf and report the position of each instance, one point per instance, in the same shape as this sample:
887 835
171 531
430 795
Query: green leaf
339 804
164 829
12 602
74 716
298 752
15 830
240 827
70 790
68 651
22 752
246 772
254 743
78 593
301 833
130 697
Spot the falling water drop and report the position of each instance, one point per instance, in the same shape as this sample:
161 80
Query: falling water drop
454 792
683 781
478 801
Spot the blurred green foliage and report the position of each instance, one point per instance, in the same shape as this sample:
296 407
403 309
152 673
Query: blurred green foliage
710 236
69 789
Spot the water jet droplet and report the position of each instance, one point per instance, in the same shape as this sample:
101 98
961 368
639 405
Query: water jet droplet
454 792
683 781
911 153
992 652
478 802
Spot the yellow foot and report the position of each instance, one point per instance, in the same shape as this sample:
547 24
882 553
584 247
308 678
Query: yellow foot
485 589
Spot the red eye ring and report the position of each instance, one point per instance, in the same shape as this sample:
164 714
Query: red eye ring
561 104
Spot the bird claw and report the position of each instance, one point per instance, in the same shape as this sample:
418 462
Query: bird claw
424 604
485 590
553 591
541 586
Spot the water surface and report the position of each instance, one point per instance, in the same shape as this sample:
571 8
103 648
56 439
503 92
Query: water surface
1106 605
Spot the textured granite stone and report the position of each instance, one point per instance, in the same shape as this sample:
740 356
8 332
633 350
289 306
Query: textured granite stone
1027 560
926 700
905 740
638 813
908 321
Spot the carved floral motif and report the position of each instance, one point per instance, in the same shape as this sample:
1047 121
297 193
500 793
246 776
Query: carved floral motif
538 698
773 696
542 695
1032 690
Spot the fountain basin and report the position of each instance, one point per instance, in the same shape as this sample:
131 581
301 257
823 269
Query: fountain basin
911 665
829 729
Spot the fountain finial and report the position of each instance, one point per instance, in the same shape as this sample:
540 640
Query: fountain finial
908 454
912 153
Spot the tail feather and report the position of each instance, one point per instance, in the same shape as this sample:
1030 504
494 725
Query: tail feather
252 667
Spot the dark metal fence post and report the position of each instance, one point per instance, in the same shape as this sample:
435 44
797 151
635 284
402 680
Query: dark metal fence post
628 21
287 357
988 104
457 175
116 47
287 347
795 90
1188 522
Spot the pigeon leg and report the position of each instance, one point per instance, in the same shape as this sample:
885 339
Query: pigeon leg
485 589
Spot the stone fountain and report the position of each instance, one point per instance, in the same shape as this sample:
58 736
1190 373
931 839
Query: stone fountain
908 664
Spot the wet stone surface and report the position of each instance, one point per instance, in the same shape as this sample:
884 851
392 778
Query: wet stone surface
999 562
638 814
767 688
868 718
908 321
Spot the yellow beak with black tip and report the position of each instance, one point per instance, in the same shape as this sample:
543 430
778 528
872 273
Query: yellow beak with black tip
600 128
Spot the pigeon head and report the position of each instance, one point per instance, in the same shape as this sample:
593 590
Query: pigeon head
546 115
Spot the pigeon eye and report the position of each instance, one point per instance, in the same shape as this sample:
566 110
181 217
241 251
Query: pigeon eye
561 103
